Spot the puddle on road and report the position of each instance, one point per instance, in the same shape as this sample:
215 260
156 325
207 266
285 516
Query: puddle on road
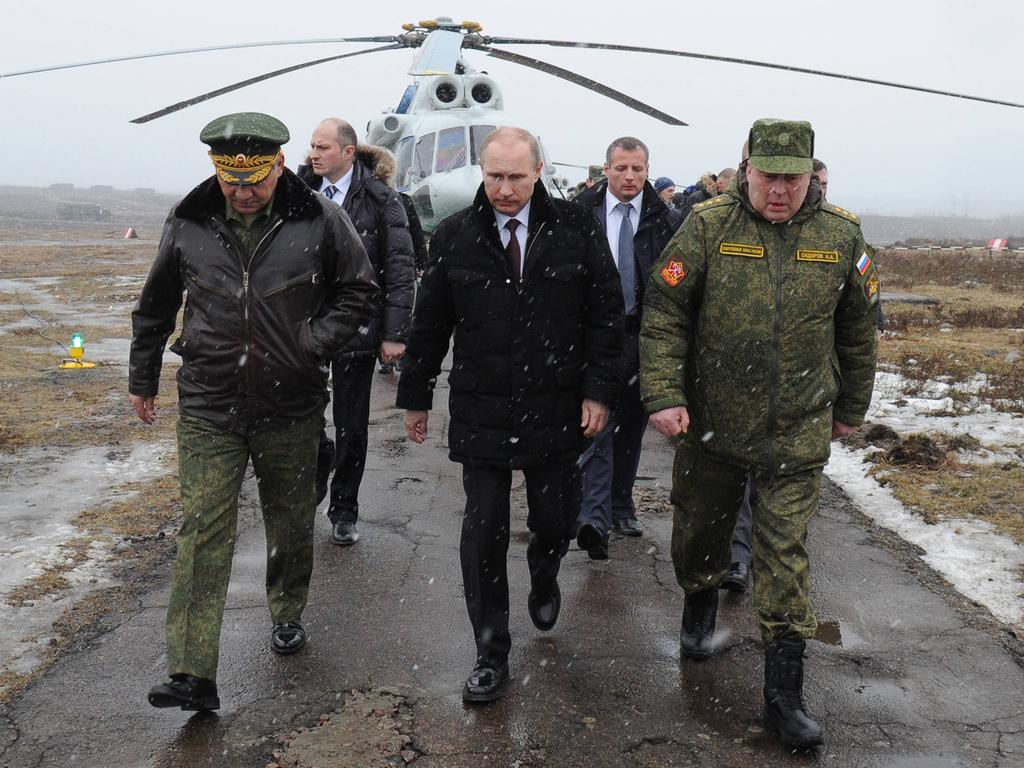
835 633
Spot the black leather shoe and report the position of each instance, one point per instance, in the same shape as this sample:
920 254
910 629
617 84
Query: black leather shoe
324 464
487 682
192 694
287 638
344 533
593 541
699 612
628 526
544 608
739 575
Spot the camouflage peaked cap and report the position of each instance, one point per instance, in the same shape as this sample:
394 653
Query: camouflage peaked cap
595 173
244 146
781 146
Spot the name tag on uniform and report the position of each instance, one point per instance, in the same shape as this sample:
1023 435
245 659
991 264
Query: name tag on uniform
827 257
740 249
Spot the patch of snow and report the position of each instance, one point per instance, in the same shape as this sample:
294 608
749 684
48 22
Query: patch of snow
41 492
980 562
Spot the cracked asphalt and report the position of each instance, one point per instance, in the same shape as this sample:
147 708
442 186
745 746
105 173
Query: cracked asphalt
907 674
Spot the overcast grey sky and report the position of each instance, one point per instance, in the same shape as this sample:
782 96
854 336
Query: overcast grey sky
889 151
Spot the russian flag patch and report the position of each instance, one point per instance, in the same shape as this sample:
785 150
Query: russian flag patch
863 263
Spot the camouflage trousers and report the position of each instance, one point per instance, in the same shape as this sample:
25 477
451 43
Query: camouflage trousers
706 497
211 467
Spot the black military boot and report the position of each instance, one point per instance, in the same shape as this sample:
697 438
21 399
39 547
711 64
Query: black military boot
699 612
785 713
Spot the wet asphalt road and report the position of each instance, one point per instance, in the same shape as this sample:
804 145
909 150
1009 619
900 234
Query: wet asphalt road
906 675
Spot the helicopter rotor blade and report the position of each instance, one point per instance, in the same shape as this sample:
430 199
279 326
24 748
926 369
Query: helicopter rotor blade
745 62
182 51
259 78
586 82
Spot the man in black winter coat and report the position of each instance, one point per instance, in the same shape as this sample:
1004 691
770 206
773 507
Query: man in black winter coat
357 178
527 286
638 225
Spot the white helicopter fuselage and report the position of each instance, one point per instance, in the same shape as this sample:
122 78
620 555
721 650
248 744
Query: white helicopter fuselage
436 134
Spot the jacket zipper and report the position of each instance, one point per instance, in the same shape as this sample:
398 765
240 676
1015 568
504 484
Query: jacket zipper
774 366
246 268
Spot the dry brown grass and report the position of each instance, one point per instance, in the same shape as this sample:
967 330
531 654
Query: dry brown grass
956 356
41 405
151 507
931 475
990 492
975 330
906 270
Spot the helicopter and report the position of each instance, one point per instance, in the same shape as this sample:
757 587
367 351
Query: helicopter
437 127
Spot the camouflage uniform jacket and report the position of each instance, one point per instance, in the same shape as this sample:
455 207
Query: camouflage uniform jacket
765 332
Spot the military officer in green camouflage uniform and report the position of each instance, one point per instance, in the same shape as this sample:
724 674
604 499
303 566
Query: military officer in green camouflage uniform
758 347
277 282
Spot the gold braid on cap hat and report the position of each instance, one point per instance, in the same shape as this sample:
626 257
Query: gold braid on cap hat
256 167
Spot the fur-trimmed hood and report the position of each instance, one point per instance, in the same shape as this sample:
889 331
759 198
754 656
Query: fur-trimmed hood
379 161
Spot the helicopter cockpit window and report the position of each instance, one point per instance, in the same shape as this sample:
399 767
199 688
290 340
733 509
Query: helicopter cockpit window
477 134
451 149
423 159
403 158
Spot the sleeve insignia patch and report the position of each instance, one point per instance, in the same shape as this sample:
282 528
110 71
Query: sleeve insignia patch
826 257
871 288
863 263
740 249
673 273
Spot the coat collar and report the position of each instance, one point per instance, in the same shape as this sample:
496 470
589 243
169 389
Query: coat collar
542 216
651 206
292 200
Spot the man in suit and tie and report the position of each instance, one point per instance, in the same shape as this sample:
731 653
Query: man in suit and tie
638 225
357 178
527 286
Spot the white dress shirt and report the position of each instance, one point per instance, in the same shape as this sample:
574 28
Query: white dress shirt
341 185
523 217
613 219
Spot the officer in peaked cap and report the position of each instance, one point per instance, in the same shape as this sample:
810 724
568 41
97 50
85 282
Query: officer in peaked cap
245 146
277 282
757 347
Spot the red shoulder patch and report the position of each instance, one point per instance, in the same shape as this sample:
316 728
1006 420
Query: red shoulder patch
673 273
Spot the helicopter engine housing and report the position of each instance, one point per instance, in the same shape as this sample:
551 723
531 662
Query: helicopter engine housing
482 91
447 92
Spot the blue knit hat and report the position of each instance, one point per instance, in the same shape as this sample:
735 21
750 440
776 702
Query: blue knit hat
662 183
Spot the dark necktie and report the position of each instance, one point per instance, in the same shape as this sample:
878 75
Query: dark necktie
627 265
512 250
330 192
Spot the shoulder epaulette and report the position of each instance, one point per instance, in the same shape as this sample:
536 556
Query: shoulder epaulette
714 202
842 212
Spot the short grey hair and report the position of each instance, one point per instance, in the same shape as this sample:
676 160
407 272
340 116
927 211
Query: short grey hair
817 165
506 132
627 144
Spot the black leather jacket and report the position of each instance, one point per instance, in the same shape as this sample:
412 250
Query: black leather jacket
256 331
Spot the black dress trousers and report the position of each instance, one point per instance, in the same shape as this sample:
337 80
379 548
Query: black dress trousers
553 501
